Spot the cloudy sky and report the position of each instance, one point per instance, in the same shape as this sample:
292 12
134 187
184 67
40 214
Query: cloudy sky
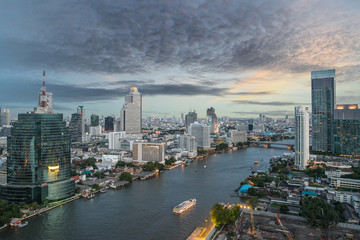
241 57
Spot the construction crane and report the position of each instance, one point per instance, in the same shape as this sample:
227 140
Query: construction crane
287 233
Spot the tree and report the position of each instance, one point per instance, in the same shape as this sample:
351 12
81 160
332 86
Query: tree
319 213
100 174
284 209
35 205
252 201
95 186
170 161
222 215
8 211
125 176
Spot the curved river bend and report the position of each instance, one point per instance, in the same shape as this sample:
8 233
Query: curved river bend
144 209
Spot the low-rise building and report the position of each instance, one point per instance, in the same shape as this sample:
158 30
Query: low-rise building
345 183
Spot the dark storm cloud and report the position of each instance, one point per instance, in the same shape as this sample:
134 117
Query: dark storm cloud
142 36
274 103
74 93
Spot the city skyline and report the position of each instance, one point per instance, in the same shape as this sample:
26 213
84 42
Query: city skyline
240 58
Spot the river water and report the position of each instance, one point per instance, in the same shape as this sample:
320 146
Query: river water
144 209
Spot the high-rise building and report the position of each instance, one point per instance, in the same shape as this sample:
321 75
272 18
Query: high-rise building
346 130
77 125
109 123
5 117
131 112
212 120
149 152
115 139
188 143
38 163
94 120
190 118
323 103
201 133
301 137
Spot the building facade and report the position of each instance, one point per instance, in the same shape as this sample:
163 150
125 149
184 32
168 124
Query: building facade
38 163
346 130
188 143
302 144
149 152
131 113
109 123
115 139
94 120
323 104
201 133
212 120
77 125
190 118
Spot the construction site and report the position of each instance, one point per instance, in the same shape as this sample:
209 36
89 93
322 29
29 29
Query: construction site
267 225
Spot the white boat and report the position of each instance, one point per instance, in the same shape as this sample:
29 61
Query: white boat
24 224
204 166
184 206
103 190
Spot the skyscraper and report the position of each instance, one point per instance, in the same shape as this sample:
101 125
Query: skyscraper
109 123
323 103
201 133
77 125
94 120
131 112
190 118
212 120
346 130
301 137
38 163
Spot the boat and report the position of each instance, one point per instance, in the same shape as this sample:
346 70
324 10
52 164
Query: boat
103 190
256 162
184 206
23 224
91 196
204 166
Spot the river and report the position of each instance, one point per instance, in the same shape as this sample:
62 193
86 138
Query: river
144 209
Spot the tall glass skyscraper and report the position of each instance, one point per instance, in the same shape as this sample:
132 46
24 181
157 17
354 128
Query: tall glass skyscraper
323 103
346 130
131 112
38 163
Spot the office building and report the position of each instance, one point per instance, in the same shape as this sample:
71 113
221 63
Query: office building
201 133
5 117
346 130
115 139
149 152
188 143
109 123
77 125
131 113
94 120
323 103
301 137
238 136
38 163
190 118
212 120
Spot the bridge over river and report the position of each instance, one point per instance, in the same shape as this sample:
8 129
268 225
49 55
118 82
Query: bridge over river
267 144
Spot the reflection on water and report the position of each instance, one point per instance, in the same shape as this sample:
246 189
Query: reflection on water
144 209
